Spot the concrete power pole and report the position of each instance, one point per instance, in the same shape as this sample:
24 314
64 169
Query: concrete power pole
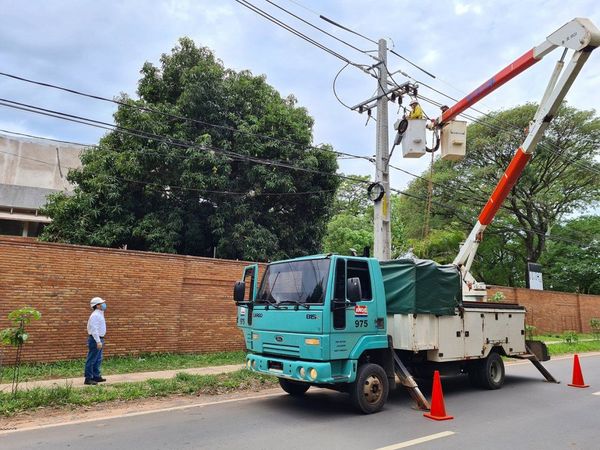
381 225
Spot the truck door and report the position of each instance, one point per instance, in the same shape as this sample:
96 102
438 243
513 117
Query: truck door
250 277
350 322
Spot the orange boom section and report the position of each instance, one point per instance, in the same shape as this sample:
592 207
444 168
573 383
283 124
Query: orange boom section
509 72
506 183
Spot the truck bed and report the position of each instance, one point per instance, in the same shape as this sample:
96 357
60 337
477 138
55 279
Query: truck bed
470 333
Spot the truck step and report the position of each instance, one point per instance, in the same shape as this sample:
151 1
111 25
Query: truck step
407 380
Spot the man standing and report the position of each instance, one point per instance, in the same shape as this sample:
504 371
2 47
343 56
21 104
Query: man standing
96 328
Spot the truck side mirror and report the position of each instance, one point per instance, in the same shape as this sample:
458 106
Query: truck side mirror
239 290
353 290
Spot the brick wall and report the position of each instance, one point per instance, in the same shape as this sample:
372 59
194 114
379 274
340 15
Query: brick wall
551 311
168 303
156 302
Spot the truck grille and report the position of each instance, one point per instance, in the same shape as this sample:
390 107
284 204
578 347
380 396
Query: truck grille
279 349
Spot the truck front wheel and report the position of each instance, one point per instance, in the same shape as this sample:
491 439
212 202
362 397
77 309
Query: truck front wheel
370 390
294 388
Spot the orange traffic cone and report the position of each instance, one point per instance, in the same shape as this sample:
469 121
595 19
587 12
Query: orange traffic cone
577 375
438 410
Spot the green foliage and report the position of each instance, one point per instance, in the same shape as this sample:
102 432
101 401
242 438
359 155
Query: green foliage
148 362
345 231
595 326
159 196
16 335
352 223
530 331
572 262
555 183
571 337
579 347
181 384
498 297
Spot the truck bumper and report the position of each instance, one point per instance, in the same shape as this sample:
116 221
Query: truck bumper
315 372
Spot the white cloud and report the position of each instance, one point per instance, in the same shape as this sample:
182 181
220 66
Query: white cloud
464 8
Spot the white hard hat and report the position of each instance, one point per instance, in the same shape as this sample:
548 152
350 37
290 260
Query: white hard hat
414 102
96 301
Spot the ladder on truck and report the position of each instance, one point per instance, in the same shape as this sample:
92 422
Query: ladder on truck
407 380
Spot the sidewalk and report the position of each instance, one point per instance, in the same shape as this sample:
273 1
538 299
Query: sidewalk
125 377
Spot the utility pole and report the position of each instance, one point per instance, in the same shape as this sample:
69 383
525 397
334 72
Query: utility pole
381 225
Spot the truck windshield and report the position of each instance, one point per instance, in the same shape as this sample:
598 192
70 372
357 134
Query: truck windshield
294 282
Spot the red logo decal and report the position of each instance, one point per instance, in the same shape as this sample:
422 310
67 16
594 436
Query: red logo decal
361 310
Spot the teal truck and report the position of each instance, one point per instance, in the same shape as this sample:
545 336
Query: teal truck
363 326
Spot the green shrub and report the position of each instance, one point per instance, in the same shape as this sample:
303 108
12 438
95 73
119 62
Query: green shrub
595 326
571 337
529 331
498 297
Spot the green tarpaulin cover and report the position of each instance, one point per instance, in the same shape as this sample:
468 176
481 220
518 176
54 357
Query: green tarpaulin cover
415 286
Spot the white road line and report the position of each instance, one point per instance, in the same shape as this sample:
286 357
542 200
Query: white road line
139 413
420 440
596 393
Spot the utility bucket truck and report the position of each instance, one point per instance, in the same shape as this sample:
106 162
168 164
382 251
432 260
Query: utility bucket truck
364 326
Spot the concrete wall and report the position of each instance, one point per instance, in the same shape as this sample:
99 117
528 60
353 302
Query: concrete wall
168 303
30 170
36 163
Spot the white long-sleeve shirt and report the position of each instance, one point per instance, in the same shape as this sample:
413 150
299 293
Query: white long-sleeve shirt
96 325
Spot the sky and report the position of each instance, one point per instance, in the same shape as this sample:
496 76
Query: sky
99 47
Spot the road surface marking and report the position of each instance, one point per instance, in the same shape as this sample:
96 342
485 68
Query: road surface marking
140 413
596 393
420 440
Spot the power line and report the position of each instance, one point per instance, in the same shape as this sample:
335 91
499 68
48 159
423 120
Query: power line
320 29
301 35
163 139
16 133
171 115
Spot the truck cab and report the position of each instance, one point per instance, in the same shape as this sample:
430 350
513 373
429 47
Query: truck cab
314 321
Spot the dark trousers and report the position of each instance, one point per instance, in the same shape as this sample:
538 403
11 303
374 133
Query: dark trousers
94 359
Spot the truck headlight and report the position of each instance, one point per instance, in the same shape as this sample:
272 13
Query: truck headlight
312 373
255 336
254 364
248 363
302 372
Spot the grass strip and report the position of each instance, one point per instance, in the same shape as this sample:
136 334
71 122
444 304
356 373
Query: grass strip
579 347
149 362
182 383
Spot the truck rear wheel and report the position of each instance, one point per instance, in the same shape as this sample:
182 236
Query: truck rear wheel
370 390
294 388
488 373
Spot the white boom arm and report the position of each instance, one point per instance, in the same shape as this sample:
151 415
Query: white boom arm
580 35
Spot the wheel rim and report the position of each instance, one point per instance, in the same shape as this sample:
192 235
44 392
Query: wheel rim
372 389
495 372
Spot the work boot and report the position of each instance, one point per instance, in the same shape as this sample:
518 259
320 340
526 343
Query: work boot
90 381
99 380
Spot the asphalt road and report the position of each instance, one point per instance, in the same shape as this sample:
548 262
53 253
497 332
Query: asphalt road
527 413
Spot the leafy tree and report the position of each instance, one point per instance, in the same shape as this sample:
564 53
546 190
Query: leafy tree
352 224
562 178
572 261
197 189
